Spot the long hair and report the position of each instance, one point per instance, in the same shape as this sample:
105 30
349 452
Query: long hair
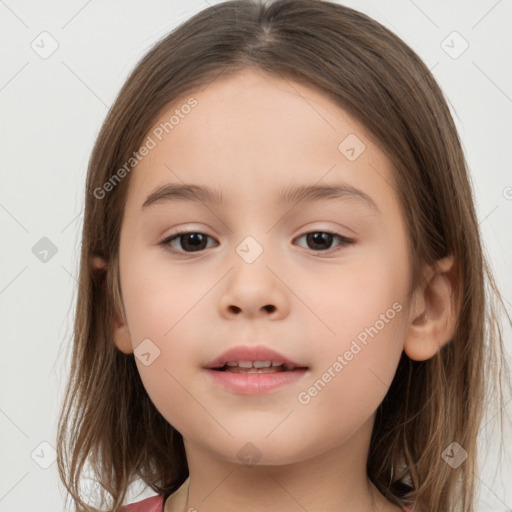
109 422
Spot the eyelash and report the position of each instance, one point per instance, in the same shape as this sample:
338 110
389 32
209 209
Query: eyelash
344 241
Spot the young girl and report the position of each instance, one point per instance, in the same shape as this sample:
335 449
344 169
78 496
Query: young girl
326 348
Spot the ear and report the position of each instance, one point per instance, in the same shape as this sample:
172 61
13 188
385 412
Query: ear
122 339
433 314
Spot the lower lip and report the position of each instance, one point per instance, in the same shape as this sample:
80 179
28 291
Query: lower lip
255 383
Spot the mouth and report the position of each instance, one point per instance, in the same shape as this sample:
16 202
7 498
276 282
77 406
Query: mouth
253 359
248 367
253 370
249 378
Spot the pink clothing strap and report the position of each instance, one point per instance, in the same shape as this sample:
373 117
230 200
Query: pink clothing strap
153 504
156 504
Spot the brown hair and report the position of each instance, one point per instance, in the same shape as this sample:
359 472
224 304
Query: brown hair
109 421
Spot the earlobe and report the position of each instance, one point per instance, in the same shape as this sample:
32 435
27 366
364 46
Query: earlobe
433 316
97 263
122 339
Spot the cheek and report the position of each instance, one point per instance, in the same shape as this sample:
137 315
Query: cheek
164 308
361 298
362 341
163 300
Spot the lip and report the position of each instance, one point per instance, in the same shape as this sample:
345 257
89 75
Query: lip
250 353
253 383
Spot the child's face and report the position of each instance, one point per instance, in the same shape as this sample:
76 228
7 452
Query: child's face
310 298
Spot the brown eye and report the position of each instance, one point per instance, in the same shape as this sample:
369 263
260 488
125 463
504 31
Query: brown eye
191 241
322 240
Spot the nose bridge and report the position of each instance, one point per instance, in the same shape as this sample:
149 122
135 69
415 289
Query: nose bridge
252 286
251 261
254 230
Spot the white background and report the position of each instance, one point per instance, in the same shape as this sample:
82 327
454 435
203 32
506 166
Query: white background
51 111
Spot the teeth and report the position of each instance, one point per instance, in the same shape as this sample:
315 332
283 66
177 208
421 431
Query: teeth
261 364
253 364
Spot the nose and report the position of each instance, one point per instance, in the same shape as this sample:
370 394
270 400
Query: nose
254 290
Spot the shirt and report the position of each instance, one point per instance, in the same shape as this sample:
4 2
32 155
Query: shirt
153 504
156 504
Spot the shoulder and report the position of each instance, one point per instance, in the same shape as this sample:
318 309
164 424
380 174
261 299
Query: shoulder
152 504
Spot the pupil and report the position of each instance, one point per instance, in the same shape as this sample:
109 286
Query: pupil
196 240
315 238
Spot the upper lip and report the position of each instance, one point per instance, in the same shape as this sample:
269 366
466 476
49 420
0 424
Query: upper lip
252 353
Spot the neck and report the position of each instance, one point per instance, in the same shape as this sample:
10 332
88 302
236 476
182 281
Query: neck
334 481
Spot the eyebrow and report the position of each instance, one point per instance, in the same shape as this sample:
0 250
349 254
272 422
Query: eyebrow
292 194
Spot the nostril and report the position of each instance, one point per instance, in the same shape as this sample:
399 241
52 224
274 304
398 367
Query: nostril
269 307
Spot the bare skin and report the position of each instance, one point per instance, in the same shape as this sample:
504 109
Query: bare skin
251 136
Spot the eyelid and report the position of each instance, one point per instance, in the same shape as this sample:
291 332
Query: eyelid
343 240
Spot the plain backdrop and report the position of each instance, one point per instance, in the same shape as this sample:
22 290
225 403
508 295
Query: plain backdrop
52 107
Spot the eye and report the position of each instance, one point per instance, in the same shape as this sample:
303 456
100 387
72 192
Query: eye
321 239
194 241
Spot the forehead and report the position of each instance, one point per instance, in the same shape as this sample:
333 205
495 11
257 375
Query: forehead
251 131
